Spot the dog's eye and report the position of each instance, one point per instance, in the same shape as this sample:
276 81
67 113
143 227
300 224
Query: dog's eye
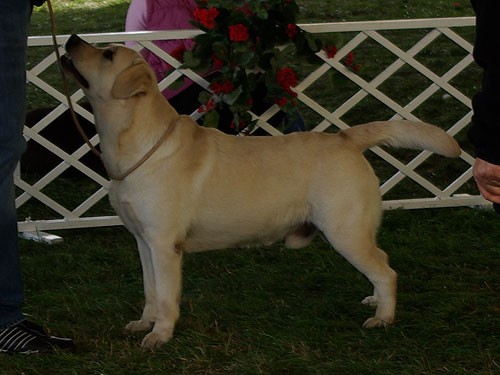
108 54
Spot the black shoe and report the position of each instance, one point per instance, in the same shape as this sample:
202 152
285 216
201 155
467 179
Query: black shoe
30 338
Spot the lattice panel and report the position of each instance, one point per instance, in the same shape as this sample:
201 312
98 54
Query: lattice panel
331 97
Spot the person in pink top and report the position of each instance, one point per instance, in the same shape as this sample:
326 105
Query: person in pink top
155 15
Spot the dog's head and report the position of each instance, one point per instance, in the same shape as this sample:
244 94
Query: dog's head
110 73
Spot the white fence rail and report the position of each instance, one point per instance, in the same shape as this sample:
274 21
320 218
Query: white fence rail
375 86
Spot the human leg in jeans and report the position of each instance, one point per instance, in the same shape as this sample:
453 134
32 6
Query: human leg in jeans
16 334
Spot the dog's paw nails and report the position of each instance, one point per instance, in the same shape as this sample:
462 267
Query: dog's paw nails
371 301
375 323
139 326
154 340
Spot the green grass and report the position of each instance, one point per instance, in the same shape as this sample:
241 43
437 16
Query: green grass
274 310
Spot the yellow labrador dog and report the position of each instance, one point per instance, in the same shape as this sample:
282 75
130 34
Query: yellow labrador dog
200 189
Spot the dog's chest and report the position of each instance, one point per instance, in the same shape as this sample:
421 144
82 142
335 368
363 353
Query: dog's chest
124 201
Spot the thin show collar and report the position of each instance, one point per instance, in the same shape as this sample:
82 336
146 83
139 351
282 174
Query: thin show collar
153 149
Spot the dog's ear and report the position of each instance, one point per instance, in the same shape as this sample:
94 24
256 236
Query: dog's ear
136 79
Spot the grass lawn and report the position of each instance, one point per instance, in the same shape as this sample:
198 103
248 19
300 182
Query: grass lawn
274 310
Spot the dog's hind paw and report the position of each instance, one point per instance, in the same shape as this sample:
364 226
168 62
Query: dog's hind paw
375 323
139 326
371 301
153 340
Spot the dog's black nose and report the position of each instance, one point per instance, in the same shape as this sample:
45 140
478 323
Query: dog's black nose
73 41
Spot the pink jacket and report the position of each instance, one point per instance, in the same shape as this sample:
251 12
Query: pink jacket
162 15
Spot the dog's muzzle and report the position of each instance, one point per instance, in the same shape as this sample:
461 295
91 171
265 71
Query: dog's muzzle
73 42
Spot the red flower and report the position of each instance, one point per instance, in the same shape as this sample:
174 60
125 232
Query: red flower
287 78
241 124
331 51
208 107
456 5
281 101
349 59
222 87
238 33
216 62
245 9
349 62
206 17
178 53
291 30
211 104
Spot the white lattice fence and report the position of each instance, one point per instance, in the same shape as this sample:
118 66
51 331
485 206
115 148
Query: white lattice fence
353 95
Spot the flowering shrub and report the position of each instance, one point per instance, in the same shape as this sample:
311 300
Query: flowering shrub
249 46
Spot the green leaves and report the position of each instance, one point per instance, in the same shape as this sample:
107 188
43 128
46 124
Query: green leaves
233 96
211 119
248 44
190 60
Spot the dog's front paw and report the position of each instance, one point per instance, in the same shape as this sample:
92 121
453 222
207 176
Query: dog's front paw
370 301
153 340
376 322
139 326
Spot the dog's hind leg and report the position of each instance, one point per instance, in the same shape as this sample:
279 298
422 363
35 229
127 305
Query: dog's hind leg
149 313
361 251
166 259
384 280
350 225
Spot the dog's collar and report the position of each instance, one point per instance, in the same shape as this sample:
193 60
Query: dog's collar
146 156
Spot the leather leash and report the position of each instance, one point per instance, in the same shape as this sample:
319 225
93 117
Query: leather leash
65 82
84 136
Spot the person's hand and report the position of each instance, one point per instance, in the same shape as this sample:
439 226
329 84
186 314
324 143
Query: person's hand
487 178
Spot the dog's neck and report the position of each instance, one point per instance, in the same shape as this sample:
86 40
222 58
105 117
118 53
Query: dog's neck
123 143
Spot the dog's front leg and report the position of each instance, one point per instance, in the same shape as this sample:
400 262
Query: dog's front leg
167 266
149 313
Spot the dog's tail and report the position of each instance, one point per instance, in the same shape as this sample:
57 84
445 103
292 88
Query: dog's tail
405 134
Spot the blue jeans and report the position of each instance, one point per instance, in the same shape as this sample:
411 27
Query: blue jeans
14 20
